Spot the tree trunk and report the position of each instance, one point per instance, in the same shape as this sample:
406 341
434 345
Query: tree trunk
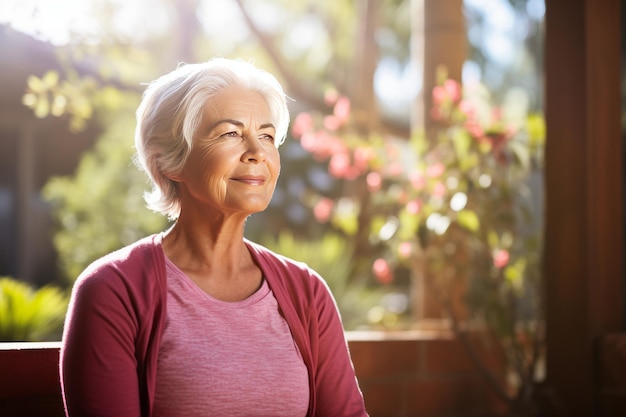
438 38
364 66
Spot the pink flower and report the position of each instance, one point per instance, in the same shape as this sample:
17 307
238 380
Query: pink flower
382 271
394 169
474 129
500 258
374 181
435 170
339 165
302 124
439 95
467 108
362 156
392 151
331 144
453 89
342 109
405 249
332 122
330 96
414 206
322 144
450 90
496 114
439 190
308 141
323 209
417 180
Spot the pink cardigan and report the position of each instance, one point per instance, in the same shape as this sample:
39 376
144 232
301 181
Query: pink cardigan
115 321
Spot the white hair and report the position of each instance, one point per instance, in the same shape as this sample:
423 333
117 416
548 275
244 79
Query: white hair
171 112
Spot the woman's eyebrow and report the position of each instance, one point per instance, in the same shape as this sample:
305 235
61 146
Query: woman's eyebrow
229 121
239 123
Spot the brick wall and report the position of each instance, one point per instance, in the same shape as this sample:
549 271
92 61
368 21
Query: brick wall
421 374
406 374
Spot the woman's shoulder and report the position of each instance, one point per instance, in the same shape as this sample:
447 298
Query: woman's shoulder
126 287
132 262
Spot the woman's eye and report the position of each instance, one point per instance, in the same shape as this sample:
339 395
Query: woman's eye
233 134
268 137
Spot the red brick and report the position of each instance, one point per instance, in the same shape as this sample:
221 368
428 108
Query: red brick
385 359
461 397
452 356
447 356
385 399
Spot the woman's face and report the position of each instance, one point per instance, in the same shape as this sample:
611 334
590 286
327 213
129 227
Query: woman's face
234 164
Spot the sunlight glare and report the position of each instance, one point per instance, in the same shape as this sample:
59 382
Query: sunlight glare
396 86
61 21
50 21
498 34
223 23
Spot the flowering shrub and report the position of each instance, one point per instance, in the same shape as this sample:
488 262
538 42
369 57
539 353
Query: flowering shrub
457 208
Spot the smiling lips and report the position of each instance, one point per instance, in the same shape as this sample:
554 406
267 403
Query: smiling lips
250 180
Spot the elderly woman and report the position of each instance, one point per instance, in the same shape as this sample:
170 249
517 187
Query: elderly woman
197 320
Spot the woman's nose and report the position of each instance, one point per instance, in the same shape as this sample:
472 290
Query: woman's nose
254 150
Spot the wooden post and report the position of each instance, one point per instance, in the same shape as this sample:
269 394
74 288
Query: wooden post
584 217
438 38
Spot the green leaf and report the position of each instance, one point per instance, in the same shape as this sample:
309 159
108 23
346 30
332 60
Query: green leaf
347 222
50 79
29 100
29 314
332 256
36 85
409 224
346 216
462 142
536 127
470 161
514 274
42 107
376 224
468 219
493 240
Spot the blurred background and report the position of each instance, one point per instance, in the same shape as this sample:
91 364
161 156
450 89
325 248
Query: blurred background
361 75
412 176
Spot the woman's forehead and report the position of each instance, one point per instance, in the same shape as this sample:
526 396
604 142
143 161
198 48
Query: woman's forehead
237 104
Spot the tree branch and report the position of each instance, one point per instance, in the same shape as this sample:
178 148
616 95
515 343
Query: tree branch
294 85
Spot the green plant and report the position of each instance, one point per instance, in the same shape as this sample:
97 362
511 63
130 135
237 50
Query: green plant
457 208
331 257
100 208
29 314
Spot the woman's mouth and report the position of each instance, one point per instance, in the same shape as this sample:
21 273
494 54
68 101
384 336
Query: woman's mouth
250 180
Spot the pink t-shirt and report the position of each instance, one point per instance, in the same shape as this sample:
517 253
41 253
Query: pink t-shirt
222 358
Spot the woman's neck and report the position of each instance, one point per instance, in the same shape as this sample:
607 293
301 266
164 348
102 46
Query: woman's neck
197 245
